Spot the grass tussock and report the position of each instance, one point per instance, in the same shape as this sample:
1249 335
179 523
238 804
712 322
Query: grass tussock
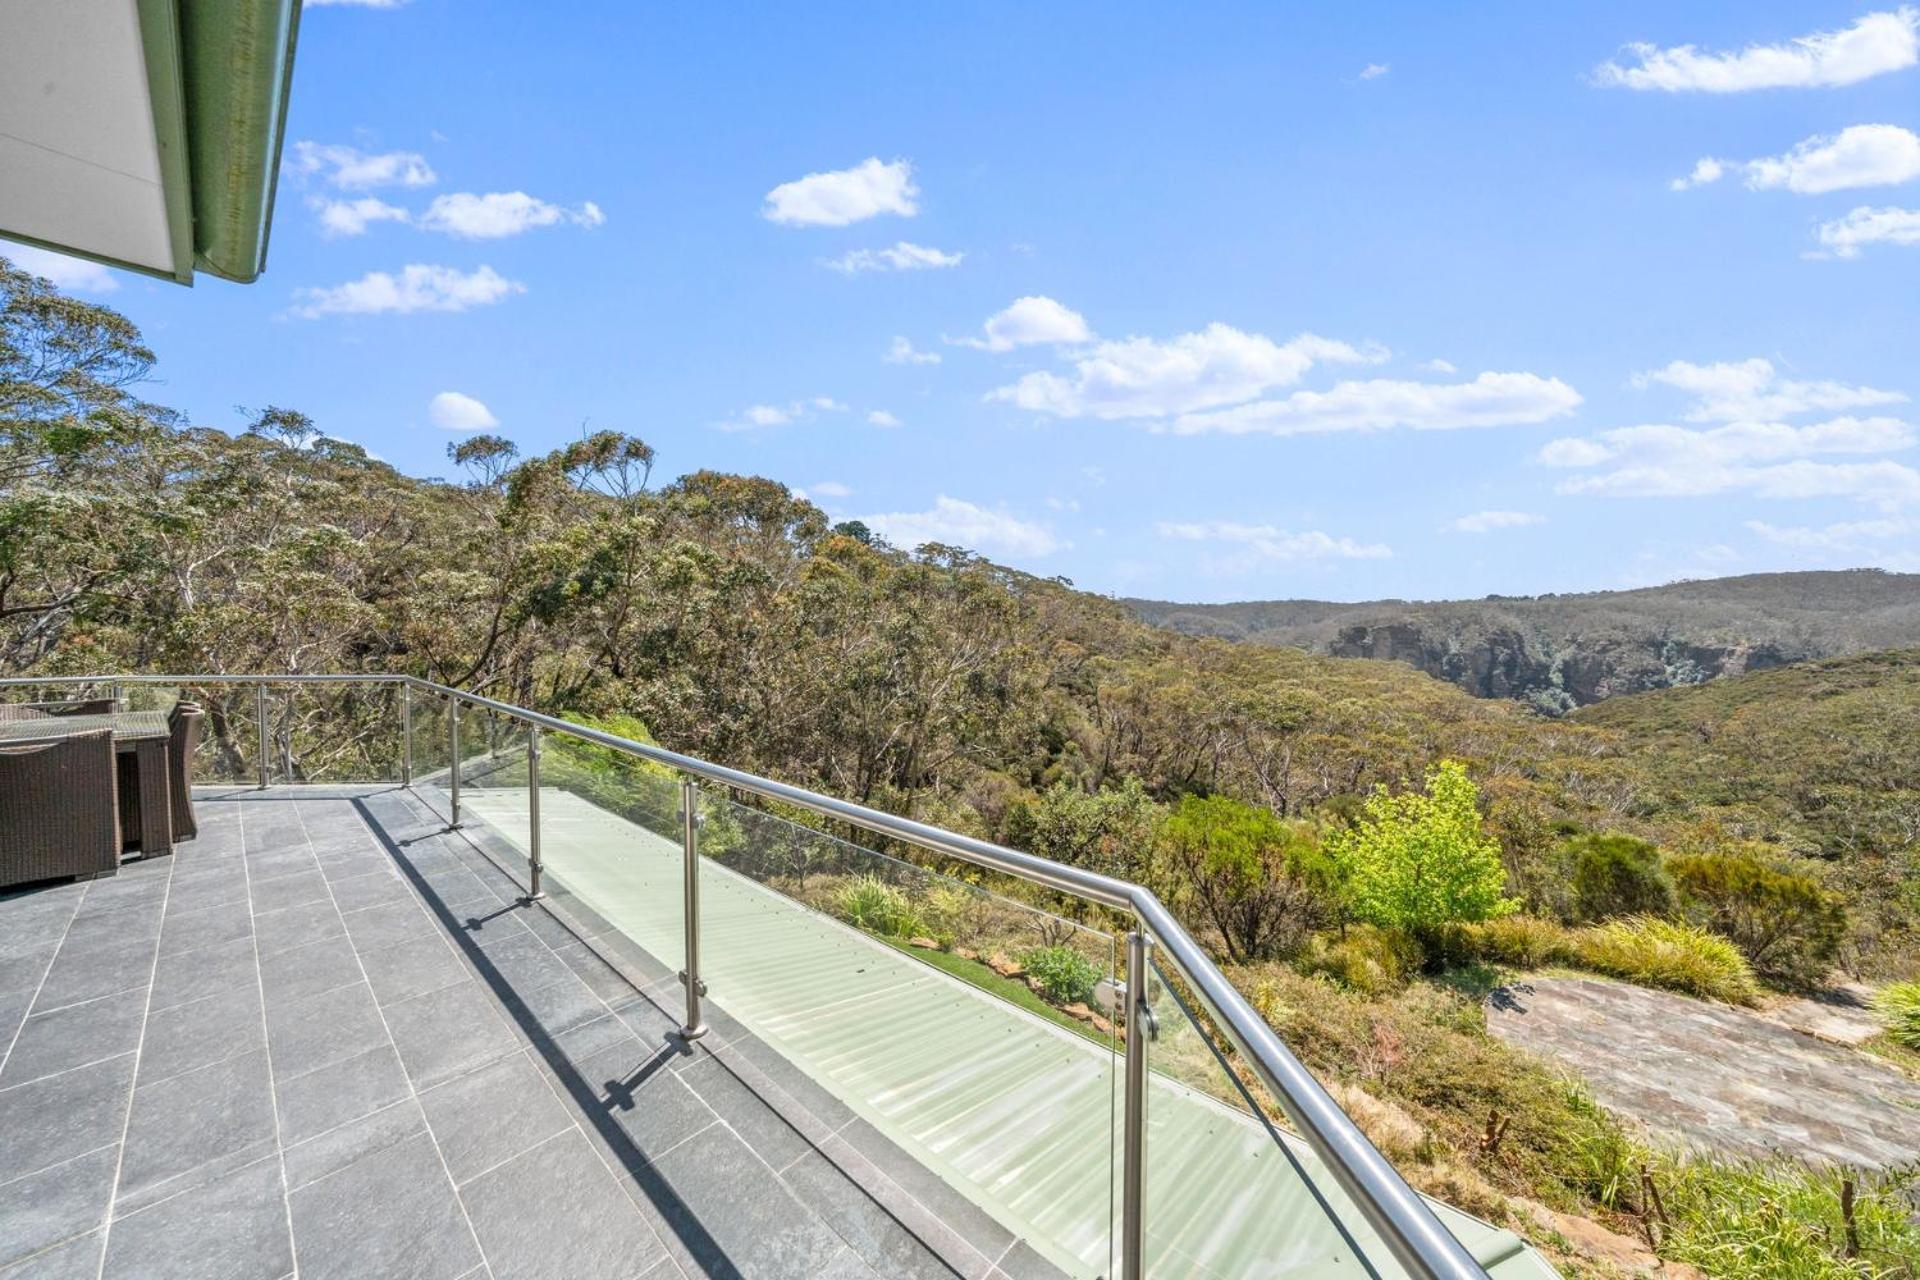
1783 1221
1664 953
1898 1004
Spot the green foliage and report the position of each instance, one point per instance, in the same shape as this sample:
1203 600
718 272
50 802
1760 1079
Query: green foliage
1618 875
1783 1221
1526 942
1065 976
1112 831
1260 880
1898 1003
1784 922
1419 861
878 907
1665 953
1365 958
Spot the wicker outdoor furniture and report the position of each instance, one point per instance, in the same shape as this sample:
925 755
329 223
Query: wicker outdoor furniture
59 814
140 741
183 739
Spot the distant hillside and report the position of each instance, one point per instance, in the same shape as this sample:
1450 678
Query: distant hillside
1563 651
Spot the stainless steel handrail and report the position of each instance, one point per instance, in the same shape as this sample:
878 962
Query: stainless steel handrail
1404 1221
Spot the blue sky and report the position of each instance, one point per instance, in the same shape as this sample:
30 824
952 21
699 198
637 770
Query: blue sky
1343 302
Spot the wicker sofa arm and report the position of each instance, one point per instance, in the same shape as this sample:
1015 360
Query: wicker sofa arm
59 808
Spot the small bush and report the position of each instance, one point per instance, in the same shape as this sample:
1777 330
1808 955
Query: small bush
1065 976
1616 875
878 907
1527 942
1775 1219
1367 959
1788 927
1899 1005
1664 953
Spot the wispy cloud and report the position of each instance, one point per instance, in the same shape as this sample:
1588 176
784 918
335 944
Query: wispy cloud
1381 404
74 274
1862 155
350 169
759 416
1753 391
418 287
901 351
1374 70
1492 521
842 196
470 216
881 418
1258 543
902 256
1845 237
353 217
457 411
956 522
1872 46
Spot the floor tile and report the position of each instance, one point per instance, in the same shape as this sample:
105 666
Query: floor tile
44 1208
492 1114
728 1210
231 1228
97 967
444 1033
392 1214
384 925
55 1119
375 886
414 967
295 889
191 1127
554 1213
308 1034
75 1260
59 1040
340 1092
278 931
196 974
192 930
206 1030
300 972
315 1158
875 1235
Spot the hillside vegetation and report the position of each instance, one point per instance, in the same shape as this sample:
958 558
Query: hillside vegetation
1364 845
1557 652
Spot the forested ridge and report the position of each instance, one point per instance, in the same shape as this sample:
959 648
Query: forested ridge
1557 652
1265 792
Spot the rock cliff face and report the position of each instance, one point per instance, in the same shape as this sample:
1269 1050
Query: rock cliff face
1556 674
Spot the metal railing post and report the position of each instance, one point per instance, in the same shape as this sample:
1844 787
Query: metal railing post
453 774
260 717
533 813
406 735
1133 1155
690 884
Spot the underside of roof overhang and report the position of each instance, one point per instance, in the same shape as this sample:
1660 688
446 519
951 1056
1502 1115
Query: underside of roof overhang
145 134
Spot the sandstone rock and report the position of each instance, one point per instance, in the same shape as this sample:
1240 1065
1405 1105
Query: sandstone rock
1005 967
924 943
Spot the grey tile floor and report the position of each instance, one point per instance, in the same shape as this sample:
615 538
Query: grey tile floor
328 1039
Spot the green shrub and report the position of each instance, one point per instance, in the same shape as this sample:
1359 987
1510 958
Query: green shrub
1527 942
878 907
1788 927
1899 1004
1261 880
1419 861
1064 975
1615 875
1365 958
1665 953
1777 1219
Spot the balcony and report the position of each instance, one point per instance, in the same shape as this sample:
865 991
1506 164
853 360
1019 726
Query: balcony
445 988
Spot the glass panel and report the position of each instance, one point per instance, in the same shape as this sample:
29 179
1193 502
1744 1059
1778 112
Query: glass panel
335 732
494 805
229 749
965 1026
1226 1194
432 751
612 858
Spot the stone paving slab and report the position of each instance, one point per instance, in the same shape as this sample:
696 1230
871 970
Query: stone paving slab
1714 1077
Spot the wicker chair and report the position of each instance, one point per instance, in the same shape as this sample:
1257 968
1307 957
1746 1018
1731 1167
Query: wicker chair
185 724
79 707
22 711
59 808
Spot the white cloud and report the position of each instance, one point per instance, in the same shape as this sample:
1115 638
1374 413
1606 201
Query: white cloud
1876 44
471 216
1149 378
351 169
1374 70
1490 521
1843 237
1752 391
959 523
1861 155
779 415
455 411
1851 537
901 257
1705 170
1490 400
1768 460
76 275
832 489
844 196
901 352
1265 542
881 418
1027 322
1439 366
353 217
417 288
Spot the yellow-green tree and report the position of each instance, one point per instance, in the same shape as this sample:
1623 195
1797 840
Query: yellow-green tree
1420 860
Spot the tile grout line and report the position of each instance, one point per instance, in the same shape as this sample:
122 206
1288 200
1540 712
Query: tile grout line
266 1045
126 1124
413 1089
41 985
